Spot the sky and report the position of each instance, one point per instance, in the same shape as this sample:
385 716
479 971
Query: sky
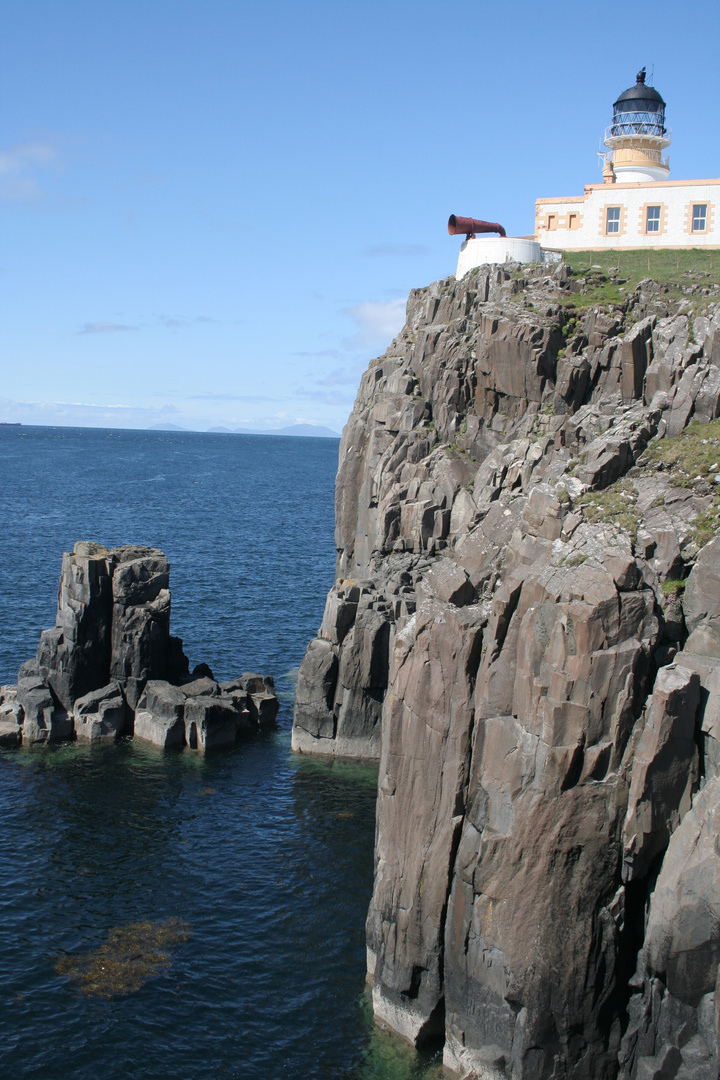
211 213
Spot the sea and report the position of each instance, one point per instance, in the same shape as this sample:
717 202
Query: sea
164 914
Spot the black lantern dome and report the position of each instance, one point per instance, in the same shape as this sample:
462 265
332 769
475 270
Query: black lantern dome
640 110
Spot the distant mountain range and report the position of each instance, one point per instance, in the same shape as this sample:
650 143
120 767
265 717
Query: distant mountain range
315 431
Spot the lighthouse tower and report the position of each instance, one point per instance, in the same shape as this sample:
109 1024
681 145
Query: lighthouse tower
637 137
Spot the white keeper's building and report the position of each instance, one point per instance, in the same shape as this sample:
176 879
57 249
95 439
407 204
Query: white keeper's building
636 205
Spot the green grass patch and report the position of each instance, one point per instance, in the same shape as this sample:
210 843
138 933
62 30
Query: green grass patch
687 457
615 506
690 454
574 560
706 525
673 588
692 267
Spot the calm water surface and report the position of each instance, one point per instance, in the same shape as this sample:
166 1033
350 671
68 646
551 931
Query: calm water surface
267 857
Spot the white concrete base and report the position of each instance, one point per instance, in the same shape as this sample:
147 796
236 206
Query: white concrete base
496 249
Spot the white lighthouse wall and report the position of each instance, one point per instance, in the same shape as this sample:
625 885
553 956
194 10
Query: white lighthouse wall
579 223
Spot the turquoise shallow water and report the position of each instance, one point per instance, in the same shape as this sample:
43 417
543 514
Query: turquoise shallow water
266 856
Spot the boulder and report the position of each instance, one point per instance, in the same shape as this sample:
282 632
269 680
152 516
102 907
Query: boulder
112 665
101 715
262 709
252 683
160 715
211 723
44 719
450 583
202 687
11 717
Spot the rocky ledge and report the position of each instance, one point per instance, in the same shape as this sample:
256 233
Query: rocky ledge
525 630
110 667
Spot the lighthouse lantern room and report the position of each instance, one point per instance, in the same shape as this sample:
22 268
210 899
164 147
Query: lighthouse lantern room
637 136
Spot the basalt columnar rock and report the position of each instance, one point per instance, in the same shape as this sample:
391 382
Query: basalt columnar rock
110 667
525 631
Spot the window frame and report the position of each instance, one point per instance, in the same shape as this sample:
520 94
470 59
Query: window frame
616 221
698 206
655 222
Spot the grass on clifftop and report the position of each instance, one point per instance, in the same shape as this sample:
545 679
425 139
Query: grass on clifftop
674 269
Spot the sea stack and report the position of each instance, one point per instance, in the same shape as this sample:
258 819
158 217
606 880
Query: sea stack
110 667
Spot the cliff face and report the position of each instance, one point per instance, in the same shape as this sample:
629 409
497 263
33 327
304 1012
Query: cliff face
525 629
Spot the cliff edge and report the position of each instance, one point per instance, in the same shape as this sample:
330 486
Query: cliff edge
525 630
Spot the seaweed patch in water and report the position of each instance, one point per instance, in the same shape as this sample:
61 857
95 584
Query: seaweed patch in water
132 955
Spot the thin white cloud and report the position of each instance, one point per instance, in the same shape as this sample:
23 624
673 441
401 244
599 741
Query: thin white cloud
322 354
378 321
18 163
343 376
332 398
168 322
396 251
84 414
382 318
22 156
104 328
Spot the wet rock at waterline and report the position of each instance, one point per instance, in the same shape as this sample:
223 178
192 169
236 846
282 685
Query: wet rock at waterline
110 667
525 630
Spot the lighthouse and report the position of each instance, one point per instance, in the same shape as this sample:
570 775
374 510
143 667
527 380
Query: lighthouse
636 207
637 137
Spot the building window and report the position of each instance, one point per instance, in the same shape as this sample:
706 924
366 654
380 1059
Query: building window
572 221
552 222
699 218
612 221
652 220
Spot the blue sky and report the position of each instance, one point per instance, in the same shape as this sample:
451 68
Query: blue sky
211 213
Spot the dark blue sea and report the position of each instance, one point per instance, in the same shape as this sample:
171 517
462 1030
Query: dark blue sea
265 858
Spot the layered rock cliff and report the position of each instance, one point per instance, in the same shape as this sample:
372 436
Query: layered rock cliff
525 630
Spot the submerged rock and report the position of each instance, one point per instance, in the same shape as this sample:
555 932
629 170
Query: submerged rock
132 955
